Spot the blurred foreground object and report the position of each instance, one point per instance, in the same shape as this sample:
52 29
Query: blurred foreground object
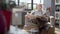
2 23
7 12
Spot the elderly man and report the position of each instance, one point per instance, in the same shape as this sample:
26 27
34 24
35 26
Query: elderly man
36 14
39 11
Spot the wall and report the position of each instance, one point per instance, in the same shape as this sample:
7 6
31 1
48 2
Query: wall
48 3
53 7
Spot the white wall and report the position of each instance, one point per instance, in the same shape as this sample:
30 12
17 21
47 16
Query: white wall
50 3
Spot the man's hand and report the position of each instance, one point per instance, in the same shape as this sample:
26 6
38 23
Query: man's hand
38 16
26 16
44 18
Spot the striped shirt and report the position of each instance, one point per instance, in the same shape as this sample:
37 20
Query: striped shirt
38 13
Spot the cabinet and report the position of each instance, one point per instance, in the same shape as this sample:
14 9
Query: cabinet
18 16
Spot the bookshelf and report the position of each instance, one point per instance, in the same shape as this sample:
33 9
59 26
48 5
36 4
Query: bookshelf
57 11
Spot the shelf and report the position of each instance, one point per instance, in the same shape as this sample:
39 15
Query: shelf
57 12
57 18
57 3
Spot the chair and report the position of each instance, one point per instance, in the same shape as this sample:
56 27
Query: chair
28 25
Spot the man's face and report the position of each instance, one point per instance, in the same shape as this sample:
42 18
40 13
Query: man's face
39 7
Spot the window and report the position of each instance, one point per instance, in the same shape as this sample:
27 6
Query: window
29 6
35 2
29 3
34 6
16 2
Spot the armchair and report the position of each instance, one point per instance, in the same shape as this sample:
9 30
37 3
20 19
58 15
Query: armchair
28 25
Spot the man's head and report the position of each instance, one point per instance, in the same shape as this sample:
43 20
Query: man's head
48 9
39 7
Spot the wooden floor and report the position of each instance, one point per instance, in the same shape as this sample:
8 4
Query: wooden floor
14 30
57 30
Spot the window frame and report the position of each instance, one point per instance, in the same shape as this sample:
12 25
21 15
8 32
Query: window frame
32 3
